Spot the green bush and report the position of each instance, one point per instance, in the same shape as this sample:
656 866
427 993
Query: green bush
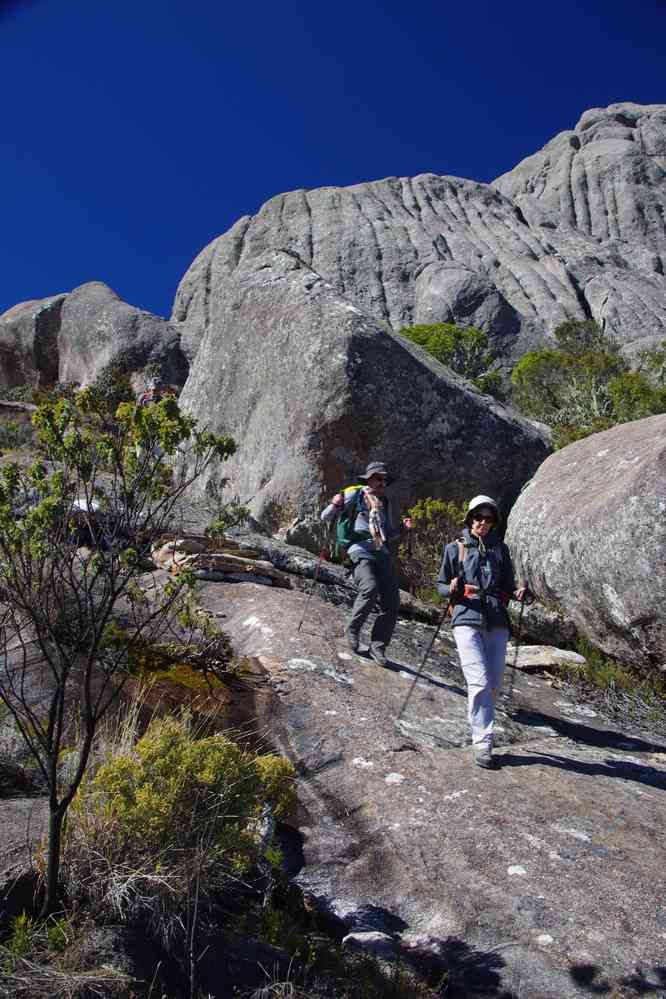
112 387
464 349
585 385
21 939
14 433
167 809
436 523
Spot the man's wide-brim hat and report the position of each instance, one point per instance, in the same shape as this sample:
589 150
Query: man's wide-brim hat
377 468
478 501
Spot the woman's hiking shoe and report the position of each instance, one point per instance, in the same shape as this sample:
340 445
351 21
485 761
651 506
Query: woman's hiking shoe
377 653
352 639
483 757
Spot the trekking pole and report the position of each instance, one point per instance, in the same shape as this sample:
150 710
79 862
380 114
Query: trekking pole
323 557
515 654
428 650
412 583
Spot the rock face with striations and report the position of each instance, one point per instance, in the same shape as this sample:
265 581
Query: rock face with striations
311 387
73 337
576 231
606 179
589 535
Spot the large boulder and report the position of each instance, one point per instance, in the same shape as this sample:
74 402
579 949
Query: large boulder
312 388
589 534
74 337
29 342
574 232
99 329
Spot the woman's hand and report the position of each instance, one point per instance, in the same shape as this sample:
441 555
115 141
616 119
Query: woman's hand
453 586
520 594
408 523
338 500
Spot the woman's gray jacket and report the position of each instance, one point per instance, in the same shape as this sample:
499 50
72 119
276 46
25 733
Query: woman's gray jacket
488 565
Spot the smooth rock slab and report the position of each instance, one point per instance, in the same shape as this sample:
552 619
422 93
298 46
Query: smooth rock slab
576 811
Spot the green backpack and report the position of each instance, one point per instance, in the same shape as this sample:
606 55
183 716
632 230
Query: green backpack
345 535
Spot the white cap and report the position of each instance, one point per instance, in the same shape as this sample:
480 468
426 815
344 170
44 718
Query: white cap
478 501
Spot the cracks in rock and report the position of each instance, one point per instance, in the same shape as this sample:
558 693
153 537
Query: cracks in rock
519 215
310 237
239 244
207 289
379 257
580 296
569 210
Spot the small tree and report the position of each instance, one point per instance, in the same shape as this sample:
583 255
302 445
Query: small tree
464 349
436 522
585 385
73 619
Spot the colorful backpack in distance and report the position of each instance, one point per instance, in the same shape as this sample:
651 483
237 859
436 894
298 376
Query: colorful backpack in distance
345 535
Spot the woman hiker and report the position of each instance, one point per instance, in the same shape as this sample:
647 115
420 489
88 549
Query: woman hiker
477 574
372 528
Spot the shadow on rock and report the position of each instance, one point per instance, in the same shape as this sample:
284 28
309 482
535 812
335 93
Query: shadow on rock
461 971
642 983
624 769
586 734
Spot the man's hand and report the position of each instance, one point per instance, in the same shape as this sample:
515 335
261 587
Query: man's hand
408 523
521 594
453 586
338 500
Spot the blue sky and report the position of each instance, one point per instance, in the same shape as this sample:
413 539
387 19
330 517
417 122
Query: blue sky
135 132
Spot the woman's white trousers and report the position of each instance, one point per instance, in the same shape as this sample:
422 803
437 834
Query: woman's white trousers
482 657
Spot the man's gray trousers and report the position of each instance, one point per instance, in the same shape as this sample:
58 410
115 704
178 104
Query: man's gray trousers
376 581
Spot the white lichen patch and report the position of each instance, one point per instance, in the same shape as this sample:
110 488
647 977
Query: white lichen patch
615 605
256 624
330 712
394 778
544 939
576 833
454 795
358 761
585 712
303 664
347 656
338 677
516 870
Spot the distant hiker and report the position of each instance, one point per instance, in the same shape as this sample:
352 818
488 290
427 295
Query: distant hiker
365 527
477 575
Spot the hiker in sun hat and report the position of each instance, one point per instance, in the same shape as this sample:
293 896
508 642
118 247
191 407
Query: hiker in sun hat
365 527
477 575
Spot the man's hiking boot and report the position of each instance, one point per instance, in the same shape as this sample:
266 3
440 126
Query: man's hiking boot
483 757
353 640
377 653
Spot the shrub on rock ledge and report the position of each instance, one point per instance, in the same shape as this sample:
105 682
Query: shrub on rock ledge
167 811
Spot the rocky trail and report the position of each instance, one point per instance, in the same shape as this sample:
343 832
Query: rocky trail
543 878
